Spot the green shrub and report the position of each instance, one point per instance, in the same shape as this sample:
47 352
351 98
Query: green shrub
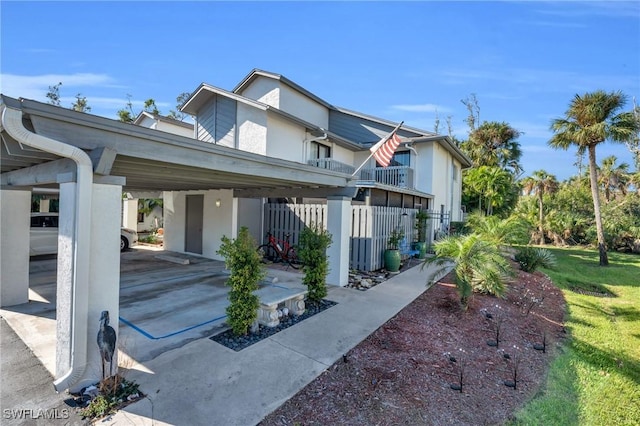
244 262
531 258
458 228
312 251
478 265
114 391
151 239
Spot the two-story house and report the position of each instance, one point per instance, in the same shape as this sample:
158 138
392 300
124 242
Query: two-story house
270 115
266 140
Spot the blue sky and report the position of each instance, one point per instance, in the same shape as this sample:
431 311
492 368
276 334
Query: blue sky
524 61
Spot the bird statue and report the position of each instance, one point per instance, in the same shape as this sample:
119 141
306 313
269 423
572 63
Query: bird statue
106 342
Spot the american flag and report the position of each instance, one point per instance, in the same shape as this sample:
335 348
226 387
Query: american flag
383 150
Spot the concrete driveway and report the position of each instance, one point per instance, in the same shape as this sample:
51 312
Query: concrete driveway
166 301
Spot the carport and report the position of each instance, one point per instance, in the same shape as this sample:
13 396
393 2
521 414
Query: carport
164 304
93 160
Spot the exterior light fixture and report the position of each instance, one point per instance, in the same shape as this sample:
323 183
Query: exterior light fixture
218 202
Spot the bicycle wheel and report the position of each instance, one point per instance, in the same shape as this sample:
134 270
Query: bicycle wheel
292 258
268 253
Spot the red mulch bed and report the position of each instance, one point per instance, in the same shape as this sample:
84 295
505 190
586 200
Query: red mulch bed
403 372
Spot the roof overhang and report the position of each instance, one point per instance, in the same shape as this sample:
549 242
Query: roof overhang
449 145
206 92
390 188
157 117
149 160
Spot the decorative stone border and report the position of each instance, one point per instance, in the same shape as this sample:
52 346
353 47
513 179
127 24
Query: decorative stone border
237 343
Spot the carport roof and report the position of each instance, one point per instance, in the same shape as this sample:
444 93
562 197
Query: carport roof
150 160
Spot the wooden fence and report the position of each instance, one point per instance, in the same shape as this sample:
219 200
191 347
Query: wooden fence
370 228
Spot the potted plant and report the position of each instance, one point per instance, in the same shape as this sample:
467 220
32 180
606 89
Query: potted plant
392 258
421 228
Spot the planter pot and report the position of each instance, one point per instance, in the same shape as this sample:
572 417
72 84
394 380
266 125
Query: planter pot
392 260
422 247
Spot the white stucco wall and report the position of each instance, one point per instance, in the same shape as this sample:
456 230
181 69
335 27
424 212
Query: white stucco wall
250 215
342 154
265 90
14 247
150 220
360 157
302 106
456 212
252 129
423 168
174 220
147 122
434 175
217 221
130 213
441 176
175 129
166 127
279 95
284 140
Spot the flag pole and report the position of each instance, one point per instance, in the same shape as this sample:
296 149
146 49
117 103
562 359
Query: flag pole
377 146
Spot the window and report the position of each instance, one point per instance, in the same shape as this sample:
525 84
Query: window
455 172
44 221
401 158
319 151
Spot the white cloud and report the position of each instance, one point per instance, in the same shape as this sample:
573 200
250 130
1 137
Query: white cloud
547 80
36 86
421 108
616 9
556 24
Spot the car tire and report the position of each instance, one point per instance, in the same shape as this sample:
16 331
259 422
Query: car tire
124 243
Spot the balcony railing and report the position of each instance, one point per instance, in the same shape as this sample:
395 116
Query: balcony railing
333 165
400 176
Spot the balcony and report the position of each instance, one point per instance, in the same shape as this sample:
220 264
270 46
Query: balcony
333 165
400 176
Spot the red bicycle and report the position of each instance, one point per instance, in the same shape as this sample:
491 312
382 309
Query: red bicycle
277 250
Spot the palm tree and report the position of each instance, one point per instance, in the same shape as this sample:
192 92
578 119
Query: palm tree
590 120
540 183
493 184
634 180
495 144
499 231
613 177
477 263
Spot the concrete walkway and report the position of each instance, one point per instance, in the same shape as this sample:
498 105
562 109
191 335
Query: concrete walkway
205 383
26 391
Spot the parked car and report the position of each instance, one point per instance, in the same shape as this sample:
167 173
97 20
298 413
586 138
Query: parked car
43 238
128 237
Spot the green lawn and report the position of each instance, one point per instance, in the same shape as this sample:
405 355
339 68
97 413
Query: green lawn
596 378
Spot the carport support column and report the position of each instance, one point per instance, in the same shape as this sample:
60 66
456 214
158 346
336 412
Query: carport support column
15 206
104 274
339 226
130 213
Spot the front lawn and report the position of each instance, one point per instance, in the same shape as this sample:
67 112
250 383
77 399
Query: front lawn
596 380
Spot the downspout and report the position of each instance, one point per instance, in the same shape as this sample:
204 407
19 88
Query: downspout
12 123
306 142
411 148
